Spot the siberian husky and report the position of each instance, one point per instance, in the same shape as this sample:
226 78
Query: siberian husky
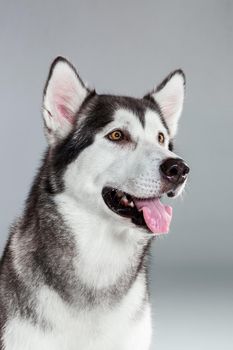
74 272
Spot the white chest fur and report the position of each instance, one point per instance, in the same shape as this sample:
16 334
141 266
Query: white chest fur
126 326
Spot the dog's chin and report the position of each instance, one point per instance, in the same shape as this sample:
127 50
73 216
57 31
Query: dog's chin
147 213
176 192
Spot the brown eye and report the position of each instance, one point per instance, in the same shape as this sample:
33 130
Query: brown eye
161 138
116 135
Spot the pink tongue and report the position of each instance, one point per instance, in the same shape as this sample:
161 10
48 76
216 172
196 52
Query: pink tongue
156 215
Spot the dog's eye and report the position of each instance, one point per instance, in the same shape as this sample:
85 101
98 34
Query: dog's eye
161 138
116 135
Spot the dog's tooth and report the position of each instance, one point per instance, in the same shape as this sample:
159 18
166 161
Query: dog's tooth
120 194
124 200
131 204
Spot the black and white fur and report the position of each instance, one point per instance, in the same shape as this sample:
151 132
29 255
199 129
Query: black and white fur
74 274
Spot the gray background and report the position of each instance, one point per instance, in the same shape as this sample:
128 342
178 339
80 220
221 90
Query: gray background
126 47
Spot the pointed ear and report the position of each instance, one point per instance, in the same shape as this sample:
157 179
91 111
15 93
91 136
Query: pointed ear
169 95
64 94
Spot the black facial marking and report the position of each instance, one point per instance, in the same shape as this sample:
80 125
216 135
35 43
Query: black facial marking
155 106
171 146
97 116
129 103
99 112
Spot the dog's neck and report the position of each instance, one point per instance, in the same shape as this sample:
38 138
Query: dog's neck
105 251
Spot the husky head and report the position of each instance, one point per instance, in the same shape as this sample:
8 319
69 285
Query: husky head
114 154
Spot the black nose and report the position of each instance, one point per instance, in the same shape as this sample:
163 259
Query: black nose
174 170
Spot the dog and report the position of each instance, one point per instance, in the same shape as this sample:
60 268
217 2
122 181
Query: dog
74 271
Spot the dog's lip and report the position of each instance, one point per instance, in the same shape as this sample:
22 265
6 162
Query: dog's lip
108 189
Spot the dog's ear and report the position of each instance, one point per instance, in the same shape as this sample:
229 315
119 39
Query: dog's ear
169 95
64 94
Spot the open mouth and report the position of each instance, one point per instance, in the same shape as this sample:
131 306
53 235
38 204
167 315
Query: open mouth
149 213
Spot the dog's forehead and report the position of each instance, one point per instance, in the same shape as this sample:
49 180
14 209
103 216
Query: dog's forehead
128 112
128 119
